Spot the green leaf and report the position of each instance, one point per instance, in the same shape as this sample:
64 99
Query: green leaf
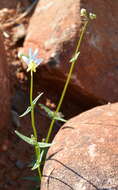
60 119
32 163
36 165
26 112
57 116
75 57
41 155
39 160
44 145
33 104
47 110
26 139
37 98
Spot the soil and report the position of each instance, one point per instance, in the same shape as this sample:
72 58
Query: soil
16 155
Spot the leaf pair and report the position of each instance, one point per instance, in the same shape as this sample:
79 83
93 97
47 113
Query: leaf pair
33 104
39 145
39 160
56 116
32 141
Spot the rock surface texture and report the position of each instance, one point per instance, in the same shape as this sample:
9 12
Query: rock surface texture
84 155
4 87
54 29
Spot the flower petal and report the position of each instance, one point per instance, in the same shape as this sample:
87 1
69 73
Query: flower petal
38 61
31 60
25 59
35 52
30 52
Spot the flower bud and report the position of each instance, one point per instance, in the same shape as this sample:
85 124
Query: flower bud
92 16
83 12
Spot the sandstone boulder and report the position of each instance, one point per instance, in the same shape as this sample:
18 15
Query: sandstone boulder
54 29
12 4
4 87
84 154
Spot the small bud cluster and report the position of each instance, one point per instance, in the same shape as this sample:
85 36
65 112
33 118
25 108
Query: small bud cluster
90 16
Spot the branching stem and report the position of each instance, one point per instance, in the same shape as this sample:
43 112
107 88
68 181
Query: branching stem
67 81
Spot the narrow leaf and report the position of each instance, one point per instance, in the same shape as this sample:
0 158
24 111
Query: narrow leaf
26 139
44 145
37 98
41 155
26 112
37 164
58 116
39 160
47 110
33 104
75 57
60 119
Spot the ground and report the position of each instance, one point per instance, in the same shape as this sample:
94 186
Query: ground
16 155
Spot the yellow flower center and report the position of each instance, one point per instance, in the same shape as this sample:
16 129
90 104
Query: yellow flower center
32 66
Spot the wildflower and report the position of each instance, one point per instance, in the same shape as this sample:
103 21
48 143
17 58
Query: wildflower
31 60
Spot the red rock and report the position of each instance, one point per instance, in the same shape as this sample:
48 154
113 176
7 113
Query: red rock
4 87
54 29
84 154
12 4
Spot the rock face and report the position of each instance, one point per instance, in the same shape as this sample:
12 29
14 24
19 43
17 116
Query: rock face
84 155
11 4
54 29
4 87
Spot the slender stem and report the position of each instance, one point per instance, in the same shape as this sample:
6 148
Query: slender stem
37 150
81 36
67 81
32 110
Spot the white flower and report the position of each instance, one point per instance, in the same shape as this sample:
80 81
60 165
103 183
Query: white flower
31 60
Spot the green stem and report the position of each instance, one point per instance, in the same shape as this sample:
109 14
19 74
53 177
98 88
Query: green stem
32 110
37 150
67 81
